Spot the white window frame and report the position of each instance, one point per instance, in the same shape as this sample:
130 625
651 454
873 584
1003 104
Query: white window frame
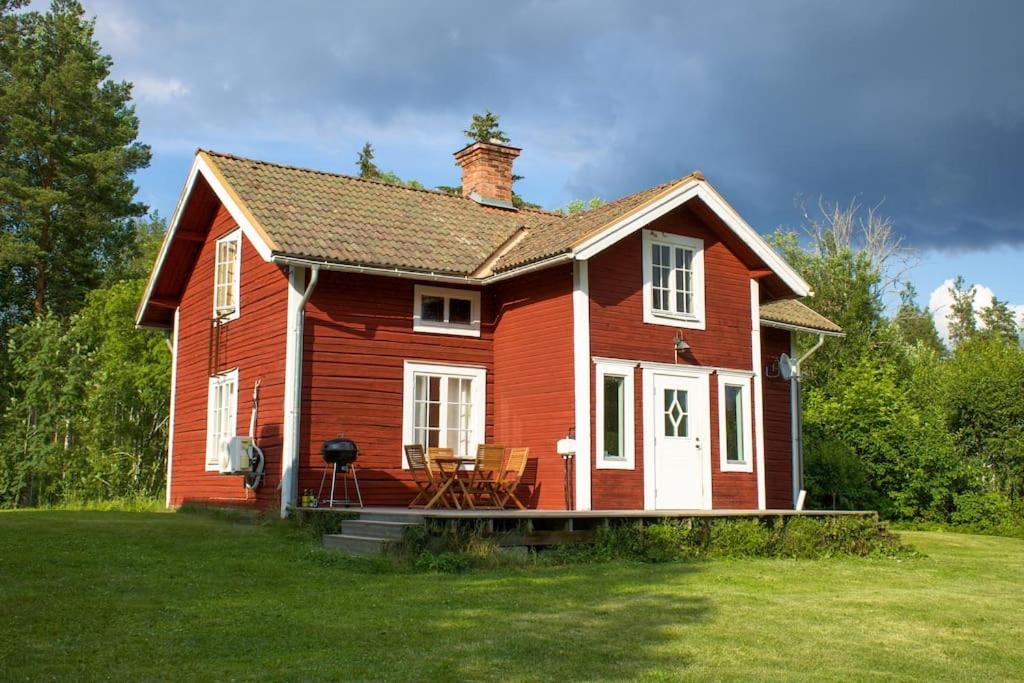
627 371
447 293
741 380
478 393
216 381
695 319
236 237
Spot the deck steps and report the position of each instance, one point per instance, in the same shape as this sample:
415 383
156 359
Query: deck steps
367 535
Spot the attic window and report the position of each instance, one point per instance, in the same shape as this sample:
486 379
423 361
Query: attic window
673 280
225 285
441 310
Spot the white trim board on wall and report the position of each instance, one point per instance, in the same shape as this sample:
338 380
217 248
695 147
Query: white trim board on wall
581 380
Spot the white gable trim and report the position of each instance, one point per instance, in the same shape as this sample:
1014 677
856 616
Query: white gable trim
201 166
686 191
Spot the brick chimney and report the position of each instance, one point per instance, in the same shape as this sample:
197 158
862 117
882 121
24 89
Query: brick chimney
487 172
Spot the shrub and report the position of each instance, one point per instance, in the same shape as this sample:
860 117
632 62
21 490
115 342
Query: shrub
741 538
983 511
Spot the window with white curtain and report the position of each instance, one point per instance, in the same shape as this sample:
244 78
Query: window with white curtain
445 406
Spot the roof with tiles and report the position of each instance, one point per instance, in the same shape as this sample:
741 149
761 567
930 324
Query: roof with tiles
794 313
344 219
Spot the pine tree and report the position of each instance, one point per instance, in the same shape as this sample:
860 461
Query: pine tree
915 322
68 148
367 169
963 324
485 128
999 322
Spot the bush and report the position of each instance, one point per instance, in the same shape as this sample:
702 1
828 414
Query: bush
983 511
836 478
741 538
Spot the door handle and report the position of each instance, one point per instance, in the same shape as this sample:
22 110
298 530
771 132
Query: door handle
697 442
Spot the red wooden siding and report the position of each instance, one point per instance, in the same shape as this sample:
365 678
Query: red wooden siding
533 368
358 335
617 330
778 426
255 344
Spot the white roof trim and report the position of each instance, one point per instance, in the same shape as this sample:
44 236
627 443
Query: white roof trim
200 166
700 189
800 328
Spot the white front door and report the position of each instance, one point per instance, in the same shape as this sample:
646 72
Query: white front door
677 415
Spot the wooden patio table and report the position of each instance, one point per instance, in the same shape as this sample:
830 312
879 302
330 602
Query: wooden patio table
449 469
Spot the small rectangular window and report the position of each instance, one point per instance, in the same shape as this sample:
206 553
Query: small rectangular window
734 420
614 437
460 311
227 261
222 412
446 311
614 416
733 423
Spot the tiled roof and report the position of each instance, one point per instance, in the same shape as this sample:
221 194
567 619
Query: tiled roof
343 219
560 234
793 312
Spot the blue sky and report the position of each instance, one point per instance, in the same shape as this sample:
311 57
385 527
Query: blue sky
917 105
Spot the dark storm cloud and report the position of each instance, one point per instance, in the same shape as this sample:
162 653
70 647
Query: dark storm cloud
917 103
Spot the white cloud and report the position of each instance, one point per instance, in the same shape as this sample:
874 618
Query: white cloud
941 299
158 90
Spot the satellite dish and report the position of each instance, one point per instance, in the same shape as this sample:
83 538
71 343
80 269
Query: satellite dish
787 368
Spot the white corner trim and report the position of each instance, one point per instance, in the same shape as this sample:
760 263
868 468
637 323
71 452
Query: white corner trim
695 320
199 167
726 379
677 197
626 370
170 410
758 366
581 379
478 377
439 327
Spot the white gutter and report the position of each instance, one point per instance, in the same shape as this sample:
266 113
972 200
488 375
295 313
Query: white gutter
420 275
298 297
798 421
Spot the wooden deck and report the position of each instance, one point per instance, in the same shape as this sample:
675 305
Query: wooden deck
482 514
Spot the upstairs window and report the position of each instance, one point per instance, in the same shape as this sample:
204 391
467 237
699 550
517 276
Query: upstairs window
446 311
673 280
225 285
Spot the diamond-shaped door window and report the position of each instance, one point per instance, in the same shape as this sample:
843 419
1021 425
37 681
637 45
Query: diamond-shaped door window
676 415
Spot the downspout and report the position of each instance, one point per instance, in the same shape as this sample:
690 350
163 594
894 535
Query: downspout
293 382
800 411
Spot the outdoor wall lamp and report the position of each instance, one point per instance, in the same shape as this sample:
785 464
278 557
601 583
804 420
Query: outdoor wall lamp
679 345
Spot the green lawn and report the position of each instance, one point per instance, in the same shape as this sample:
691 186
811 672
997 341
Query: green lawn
143 596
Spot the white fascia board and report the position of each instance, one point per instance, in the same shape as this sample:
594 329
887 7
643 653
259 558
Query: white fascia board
685 192
199 166
799 328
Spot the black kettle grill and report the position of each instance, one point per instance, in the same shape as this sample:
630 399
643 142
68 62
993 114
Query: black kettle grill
340 453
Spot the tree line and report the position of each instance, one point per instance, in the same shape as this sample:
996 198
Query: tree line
895 419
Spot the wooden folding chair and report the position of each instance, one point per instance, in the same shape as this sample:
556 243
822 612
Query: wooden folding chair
449 481
490 459
511 476
422 477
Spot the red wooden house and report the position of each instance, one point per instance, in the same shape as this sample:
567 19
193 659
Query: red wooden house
650 327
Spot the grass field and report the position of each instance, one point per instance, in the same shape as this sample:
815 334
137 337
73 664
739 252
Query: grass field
146 596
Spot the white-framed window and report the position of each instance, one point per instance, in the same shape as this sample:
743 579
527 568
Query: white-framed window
735 435
227 264
221 416
615 415
673 280
445 406
446 311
